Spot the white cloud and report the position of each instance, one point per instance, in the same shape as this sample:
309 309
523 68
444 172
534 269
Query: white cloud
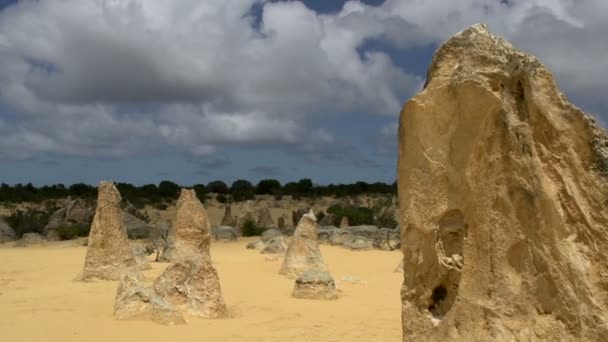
113 78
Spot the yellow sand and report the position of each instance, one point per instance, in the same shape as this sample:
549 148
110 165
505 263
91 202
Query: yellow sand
39 301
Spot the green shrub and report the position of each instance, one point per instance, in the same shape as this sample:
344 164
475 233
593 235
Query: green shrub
251 229
30 221
386 220
73 231
356 215
161 206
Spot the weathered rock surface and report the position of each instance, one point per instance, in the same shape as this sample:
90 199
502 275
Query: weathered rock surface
281 222
139 249
75 212
315 284
265 219
387 239
303 252
30 239
327 220
359 243
344 222
247 214
224 233
195 285
340 236
502 193
7 233
269 234
136 302
228 219
139 229
296 215
189 235
276 245
366 231
109 254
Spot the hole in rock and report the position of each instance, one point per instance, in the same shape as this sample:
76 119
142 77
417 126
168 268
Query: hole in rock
451 232
439 294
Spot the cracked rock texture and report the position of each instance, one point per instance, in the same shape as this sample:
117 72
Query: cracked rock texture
190 232
502 193
303 251
109 254
194 284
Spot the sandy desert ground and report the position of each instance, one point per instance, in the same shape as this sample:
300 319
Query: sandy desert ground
39 301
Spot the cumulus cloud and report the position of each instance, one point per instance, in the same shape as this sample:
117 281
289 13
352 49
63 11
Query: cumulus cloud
114 78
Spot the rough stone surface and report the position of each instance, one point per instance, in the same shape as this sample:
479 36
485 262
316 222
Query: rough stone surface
276 245
265 219
257 244
315 284
193 284
344 222
303 252
139 229
228 219
136 302
324 233
359 243
339 236
296 215
269 234
224 233
189 235
503 186
366 231
109 254
247 214
7 233
141 257
387 239
30 239
327 220
281 222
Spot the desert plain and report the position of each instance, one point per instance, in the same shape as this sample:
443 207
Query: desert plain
39 300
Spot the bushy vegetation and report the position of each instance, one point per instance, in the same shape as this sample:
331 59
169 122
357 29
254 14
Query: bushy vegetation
30 221
251 229
73 231
166 192
356 215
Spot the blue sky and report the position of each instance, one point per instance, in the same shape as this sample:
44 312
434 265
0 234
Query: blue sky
141 91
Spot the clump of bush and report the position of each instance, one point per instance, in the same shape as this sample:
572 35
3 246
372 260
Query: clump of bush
386 220
356 215
251 229
73 231
30 221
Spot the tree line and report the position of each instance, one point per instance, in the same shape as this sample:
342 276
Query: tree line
167 191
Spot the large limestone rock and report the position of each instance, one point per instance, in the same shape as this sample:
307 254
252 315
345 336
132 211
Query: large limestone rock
189 235
502 190
265 219
30 239
247 214
134 301
344 222
7 233
315 284
228 219
109 254
194 285
303 251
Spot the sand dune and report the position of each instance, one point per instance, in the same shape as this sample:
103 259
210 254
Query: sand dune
39 301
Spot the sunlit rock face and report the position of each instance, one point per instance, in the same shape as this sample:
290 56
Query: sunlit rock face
109 254
189 235
502 194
